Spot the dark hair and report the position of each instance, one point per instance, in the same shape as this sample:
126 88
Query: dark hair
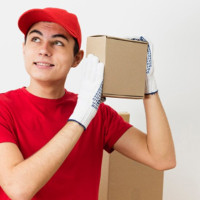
76 47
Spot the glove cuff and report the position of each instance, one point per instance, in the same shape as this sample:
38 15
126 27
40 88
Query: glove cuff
151 86
83 116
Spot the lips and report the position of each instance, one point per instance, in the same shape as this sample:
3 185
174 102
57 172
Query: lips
43 64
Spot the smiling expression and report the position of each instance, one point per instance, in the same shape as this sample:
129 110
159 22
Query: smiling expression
48 52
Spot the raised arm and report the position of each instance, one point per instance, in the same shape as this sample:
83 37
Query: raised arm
156 148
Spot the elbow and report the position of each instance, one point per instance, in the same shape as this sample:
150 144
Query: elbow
172 164
18 195
165 165
16 192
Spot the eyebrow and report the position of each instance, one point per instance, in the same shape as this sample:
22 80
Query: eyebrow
53 36
36 31
60 35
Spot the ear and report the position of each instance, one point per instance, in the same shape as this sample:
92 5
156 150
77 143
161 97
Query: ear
78 57
23 46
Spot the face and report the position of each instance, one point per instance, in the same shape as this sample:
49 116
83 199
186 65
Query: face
48 53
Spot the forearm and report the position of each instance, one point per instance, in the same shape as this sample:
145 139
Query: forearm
159 138
33 173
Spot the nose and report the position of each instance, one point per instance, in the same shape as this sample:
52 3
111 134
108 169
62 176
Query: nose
45 50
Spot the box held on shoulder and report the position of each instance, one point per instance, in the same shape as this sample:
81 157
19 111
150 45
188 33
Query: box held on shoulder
125 65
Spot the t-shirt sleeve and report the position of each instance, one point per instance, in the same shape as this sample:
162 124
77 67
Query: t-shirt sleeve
6 128
114 127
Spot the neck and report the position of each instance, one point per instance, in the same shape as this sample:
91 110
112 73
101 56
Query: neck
46 90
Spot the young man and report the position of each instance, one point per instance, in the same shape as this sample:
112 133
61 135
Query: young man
51 140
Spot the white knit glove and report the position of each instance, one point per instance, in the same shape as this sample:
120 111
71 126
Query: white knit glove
150 83
89 97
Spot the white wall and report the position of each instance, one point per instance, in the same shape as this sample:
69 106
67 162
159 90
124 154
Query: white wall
173 27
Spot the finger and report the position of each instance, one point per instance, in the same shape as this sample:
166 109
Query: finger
93 67
93 57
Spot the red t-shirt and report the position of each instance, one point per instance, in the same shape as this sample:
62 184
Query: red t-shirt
30 122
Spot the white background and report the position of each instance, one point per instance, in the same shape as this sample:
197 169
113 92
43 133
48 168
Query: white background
173 27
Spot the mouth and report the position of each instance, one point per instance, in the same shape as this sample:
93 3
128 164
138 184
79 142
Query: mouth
43 64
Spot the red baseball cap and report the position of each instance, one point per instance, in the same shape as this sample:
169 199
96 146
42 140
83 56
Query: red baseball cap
68 21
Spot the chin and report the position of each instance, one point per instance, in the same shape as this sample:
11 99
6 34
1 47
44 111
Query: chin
47 79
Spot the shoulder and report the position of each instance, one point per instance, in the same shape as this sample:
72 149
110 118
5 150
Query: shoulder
8 97
110 116
107 115
106 110
7 102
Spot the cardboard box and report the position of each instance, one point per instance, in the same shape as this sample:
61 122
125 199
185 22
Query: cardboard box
125 179
125 65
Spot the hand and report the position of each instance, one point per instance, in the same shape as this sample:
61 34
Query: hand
89 97
150 83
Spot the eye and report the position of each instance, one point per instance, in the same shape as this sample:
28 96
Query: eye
35 39
58 43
